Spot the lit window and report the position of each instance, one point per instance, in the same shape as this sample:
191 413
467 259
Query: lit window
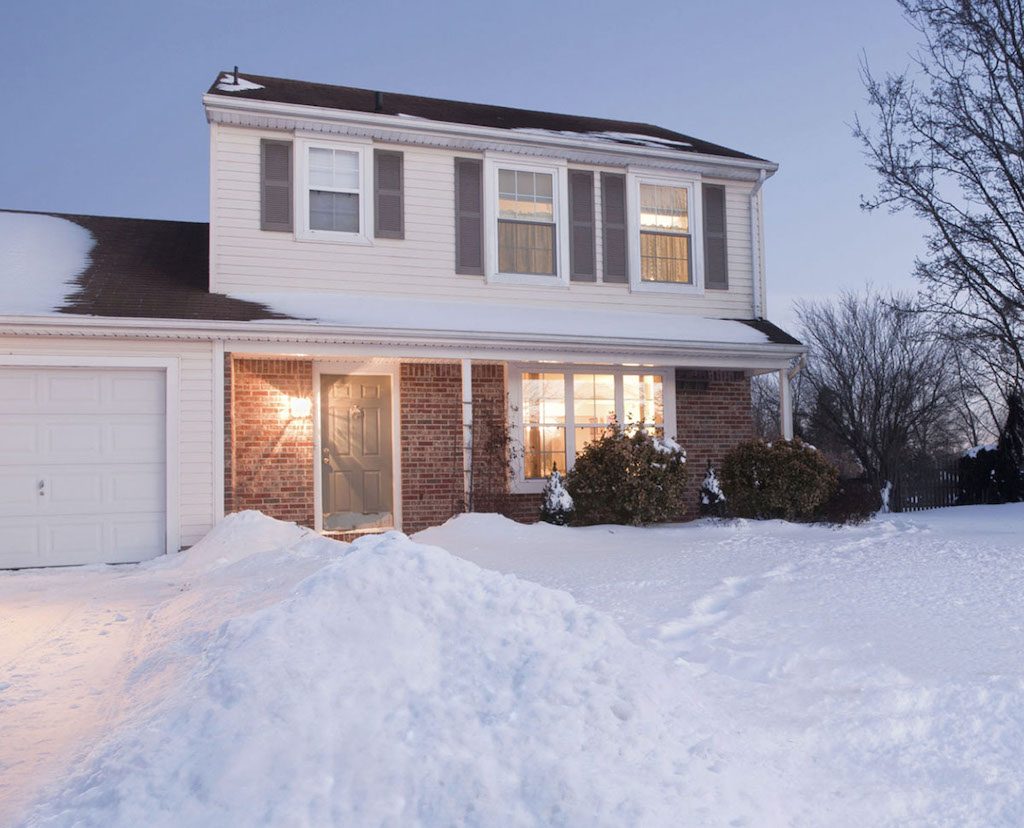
526 222
563 412
664 234
593 407
543 424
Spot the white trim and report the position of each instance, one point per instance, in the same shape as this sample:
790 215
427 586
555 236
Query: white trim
558 170
219 378
522 485
170 366
349 368
411 130
303 232
696 223
757 248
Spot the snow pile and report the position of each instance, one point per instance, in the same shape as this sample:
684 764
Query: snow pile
399 685
40 257
974 451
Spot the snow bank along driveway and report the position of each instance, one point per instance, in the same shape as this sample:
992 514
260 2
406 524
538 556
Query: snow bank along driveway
708 674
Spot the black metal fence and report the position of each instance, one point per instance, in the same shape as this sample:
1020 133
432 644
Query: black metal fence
915 490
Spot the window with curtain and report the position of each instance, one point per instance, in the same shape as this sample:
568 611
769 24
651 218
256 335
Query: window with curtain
526 222
543 424
665 234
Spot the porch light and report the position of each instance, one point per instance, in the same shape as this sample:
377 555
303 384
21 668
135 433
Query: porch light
299 407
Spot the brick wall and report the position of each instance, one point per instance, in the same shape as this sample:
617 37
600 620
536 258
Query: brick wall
713 414
269 456
431 412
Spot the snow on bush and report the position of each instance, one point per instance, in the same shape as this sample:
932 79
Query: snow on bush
397 685
628 478
712 500
556 503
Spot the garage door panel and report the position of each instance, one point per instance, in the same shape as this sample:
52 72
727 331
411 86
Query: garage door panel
95 438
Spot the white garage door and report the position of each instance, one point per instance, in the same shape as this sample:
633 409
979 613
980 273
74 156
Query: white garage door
82 465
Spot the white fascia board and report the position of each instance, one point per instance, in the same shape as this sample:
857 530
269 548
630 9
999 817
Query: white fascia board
290 337
440 130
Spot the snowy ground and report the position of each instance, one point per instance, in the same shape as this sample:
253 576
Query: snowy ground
707 674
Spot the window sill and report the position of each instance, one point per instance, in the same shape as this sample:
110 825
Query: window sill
638 286
532 279
327 237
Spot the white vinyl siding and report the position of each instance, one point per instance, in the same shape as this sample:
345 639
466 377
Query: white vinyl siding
195 405
246 259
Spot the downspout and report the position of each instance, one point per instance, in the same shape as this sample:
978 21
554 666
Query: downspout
756 265
467 434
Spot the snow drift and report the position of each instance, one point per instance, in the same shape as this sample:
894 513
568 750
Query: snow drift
397 685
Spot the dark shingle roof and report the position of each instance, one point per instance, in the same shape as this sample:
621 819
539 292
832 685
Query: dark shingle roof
352 99
149 269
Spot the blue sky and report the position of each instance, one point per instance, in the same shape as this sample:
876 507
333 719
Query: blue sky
103 112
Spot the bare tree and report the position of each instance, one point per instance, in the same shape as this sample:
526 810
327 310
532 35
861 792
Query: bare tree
948 145
881 382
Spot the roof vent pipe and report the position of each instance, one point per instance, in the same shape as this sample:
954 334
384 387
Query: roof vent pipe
378 101
235 81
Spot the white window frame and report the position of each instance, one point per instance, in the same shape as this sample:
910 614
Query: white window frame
303 231
692 183
520 483
560 210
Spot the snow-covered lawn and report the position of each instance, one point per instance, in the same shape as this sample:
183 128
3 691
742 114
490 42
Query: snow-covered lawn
706 674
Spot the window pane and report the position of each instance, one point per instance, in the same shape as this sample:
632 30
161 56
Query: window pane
333 169
664 257
586 435
526 248
593 399
664 208
643 401
338 212
526 196
544 398
544 448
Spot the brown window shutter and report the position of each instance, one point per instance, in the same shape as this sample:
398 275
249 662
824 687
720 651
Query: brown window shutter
469 219
275 185
716 264
613 221
388 199
582 256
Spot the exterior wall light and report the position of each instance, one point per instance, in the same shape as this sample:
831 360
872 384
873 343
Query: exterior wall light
299 407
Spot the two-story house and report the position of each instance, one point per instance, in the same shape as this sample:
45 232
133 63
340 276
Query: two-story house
401 308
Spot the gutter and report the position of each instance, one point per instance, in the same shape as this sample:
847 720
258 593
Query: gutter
756 263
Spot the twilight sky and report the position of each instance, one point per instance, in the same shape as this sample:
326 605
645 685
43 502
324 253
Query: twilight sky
103 112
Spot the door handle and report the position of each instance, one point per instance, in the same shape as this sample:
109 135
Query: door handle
326 456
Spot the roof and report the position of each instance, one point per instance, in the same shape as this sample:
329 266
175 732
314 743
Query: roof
352 99
144 268
151 269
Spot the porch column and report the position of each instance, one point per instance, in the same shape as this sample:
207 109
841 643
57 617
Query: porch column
785 405
467 434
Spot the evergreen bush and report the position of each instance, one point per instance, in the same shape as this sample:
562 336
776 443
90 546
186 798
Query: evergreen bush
711 500
784 479
556 505
628 478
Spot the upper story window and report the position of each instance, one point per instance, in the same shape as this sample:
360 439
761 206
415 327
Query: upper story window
666 250
664 234
334 192
524 221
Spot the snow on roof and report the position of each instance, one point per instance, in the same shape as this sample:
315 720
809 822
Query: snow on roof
386 312
40 257
609 135
229 82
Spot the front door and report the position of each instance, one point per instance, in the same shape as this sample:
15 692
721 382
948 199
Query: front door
355 417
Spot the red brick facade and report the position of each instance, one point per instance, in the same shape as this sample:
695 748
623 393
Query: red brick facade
713 414
269 462
269 452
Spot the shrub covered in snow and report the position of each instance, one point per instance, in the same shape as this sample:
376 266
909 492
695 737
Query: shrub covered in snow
784 479
853 501
556 505
712 501
628 478
995 473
